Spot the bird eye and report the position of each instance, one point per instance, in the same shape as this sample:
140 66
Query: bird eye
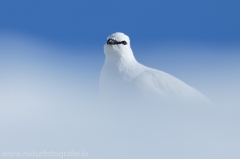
110 41
124 42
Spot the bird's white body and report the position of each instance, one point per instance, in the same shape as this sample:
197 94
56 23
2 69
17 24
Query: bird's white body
123 77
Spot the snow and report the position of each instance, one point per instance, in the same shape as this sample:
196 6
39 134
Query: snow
123 77
48 102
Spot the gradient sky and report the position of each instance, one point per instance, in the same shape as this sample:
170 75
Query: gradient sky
192 40
51 54
84 22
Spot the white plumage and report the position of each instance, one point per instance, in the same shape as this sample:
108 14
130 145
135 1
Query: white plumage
122 77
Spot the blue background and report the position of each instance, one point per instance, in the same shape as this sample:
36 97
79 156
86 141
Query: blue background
51 54
88 22
195 41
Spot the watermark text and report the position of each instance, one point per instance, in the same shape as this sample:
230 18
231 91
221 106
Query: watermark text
45 153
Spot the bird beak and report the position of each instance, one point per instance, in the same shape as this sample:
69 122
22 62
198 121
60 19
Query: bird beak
111 42
115 42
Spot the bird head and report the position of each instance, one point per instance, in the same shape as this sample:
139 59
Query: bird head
118 45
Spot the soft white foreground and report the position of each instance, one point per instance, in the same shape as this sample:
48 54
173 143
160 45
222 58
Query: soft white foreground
123 78
49 102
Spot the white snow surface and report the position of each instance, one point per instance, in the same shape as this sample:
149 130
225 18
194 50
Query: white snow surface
123 77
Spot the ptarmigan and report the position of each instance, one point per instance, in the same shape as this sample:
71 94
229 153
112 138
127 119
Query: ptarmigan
123 78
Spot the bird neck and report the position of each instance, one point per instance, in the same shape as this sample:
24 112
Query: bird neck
119 54
121 59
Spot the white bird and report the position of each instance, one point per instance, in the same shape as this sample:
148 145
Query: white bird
122 77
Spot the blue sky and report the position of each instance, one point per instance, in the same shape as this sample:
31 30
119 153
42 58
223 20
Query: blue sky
84 22
188 39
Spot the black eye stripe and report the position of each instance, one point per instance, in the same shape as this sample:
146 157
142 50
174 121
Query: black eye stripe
124 42
115 42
